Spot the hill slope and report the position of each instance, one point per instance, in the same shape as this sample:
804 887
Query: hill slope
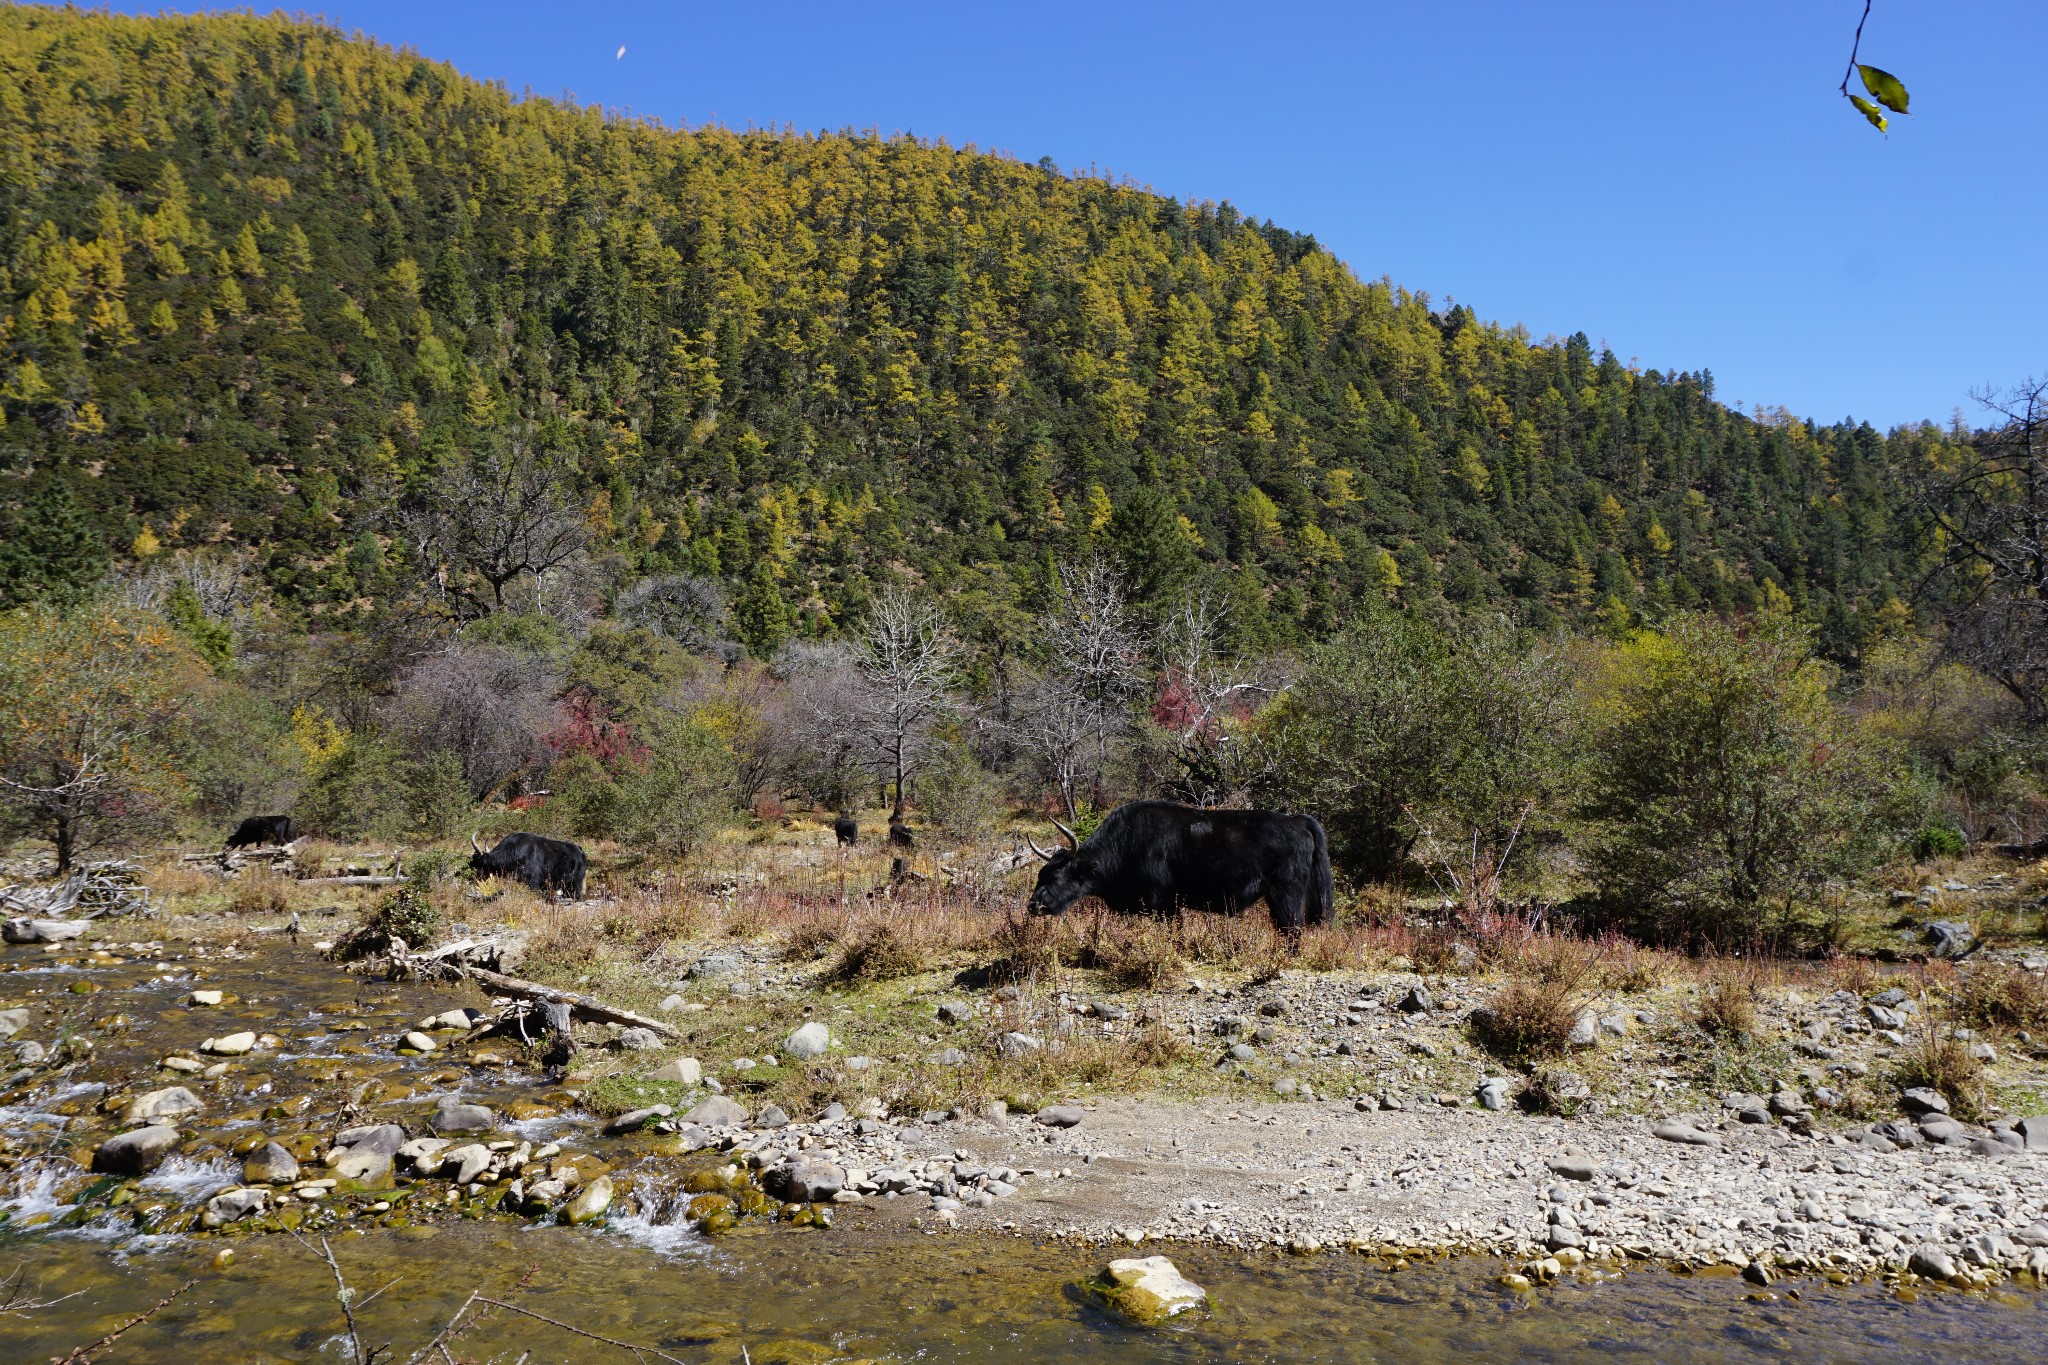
258 276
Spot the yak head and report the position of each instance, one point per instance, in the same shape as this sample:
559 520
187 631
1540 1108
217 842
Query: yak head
1068 875
479 861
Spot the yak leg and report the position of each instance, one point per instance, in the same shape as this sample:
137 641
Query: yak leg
1289 907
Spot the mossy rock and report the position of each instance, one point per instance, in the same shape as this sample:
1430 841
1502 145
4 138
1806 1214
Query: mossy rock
1146 1290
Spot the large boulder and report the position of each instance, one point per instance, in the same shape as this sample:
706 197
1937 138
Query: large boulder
136 1153
1923 1100
590 1202
681 1071
806 1181
807 1042
1149 1289
453 1116
168 1102
717 1111
270 1164
364 1154
231 1206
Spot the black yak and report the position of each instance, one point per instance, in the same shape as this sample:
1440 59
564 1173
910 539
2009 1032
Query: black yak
261 829
846 831
542 863
1153 857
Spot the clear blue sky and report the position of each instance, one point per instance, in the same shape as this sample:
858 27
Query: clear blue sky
1682 180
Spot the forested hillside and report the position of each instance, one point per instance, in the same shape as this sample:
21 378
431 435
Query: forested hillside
264 284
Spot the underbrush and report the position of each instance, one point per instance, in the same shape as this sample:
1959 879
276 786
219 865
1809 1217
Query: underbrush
1527 1020
1939 1062
1998 996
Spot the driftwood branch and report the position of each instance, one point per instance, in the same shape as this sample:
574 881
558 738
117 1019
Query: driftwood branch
581 1005
348 881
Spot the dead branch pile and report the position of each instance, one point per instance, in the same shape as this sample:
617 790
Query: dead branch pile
113 887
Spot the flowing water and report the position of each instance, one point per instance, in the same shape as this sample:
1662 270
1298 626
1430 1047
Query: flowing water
765 1293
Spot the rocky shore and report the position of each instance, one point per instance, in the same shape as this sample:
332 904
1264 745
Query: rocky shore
226 1085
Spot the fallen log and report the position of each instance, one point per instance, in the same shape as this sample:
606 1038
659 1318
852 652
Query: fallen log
348 881
581 1005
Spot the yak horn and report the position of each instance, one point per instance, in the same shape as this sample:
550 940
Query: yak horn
1036 849
474 845
1072 837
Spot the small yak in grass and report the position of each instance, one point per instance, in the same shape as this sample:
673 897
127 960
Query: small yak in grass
1153 857
542 863
258 830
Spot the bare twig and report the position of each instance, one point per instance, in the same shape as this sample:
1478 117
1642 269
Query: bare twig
1855 47
346 1296
84 1354
14 1300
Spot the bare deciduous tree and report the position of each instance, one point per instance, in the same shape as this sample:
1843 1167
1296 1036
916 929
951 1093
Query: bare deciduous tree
686 608
490 705
907 665
1986 503
1203 688
1074 715
825 697
490 519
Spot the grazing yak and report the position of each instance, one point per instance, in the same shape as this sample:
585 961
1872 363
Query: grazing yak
542 863
261 829
846 831
1153 857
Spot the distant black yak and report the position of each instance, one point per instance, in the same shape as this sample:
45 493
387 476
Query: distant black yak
542 863
1153 857
900 835
261 829
846 831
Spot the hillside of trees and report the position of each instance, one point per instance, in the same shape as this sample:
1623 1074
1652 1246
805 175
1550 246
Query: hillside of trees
273 295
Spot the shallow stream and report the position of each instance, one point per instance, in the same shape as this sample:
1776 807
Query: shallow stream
764 1293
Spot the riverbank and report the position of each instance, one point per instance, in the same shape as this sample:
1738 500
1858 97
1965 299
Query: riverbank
239 1049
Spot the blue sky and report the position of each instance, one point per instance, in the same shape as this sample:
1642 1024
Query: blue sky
1681 180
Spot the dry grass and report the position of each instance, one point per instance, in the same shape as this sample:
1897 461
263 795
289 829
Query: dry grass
181 881
1943 1063
260 890
882 951
1727 1006
2000 996
1528 1019
1859 975
1142 956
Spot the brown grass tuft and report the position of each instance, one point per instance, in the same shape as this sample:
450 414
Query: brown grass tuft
2001 997
1727 1007
260 891
1528 1019
882 951
1944 1064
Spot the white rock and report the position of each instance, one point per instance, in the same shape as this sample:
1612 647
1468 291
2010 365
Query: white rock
229 1044
418 1042
205 997
1152 1289
809 1041
682 1071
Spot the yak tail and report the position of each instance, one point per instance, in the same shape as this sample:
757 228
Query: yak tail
1322 894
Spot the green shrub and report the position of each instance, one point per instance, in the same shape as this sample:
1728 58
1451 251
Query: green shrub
407 913
1937 841
959 796
1724 782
